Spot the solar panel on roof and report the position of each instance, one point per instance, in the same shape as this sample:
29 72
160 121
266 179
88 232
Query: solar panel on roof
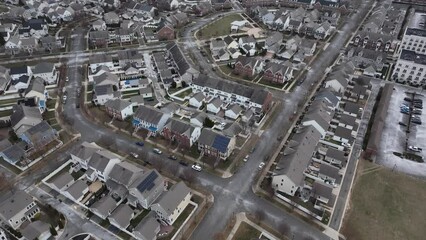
148 182
221 143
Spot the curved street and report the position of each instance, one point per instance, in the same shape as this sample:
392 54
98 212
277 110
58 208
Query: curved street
234 194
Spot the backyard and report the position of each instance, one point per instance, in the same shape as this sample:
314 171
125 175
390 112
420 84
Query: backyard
221 27
386 205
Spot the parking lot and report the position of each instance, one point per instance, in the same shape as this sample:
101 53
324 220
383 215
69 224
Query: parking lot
396 138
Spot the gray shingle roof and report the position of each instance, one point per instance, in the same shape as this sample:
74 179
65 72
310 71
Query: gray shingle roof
35 229
148 114
105 205
117 104
62 180
343 133
77 188
170 200
100 159
329 170
43 67
180 127
125 173
149 227
12 203
295 163
20 112
122 215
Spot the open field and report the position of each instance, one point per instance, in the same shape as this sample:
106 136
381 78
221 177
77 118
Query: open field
221 27
246 232
386 205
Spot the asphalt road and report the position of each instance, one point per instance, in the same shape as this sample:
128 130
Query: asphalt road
234 194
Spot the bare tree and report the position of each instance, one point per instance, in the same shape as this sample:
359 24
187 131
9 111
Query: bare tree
284 229
259 215
189 176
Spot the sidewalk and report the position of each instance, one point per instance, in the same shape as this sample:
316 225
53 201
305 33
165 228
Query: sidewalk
241 217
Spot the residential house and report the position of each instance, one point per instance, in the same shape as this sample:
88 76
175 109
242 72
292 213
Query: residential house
100 164
29 44
352 109
221 4
338 81
319 116
39 135
16 208
323 30
37 230
347 121
150 118
323 194
247 45
14 154
172 203
111 18
121 216
146 189
329 173
23 118
273 43
230 43
277 73
233 111
46 71
198 119
17 72
184 134
257 99
104 207
288 175
165 32
214 144
148 228
119 109
215 105
61 181
343 135
146 93
308 47
179 19
4 79
98 60
246 66
197 100
99 25
83 153
99 38
34 27
51 43
37 94
293 43
77 191
335 157
329 96
104 93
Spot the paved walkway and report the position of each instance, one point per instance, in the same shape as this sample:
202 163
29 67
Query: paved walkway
241 217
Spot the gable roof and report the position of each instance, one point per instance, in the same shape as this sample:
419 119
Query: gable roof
171 199
125 173
180 127
100 159
117 104
61 180
149 227
36 85
149 114
35 229
20 112
214 140
122 215
12 204
43 67
145 184
77 188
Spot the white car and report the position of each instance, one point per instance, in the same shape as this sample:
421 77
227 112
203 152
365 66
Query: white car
246 158
135 155
196 167
414 148
261 165
157 151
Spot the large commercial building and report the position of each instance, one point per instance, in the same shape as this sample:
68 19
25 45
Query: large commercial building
411 63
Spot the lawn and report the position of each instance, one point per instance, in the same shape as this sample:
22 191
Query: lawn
6 113
11 101
246 232
221 27
185 93
179 221
386 205
226 69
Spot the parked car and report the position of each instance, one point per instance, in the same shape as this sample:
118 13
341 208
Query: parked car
414 148
183 163
157 151
408 99
135 155
246 158
196 167
416 121
173 157
402 124
64 99
261 165
140 144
